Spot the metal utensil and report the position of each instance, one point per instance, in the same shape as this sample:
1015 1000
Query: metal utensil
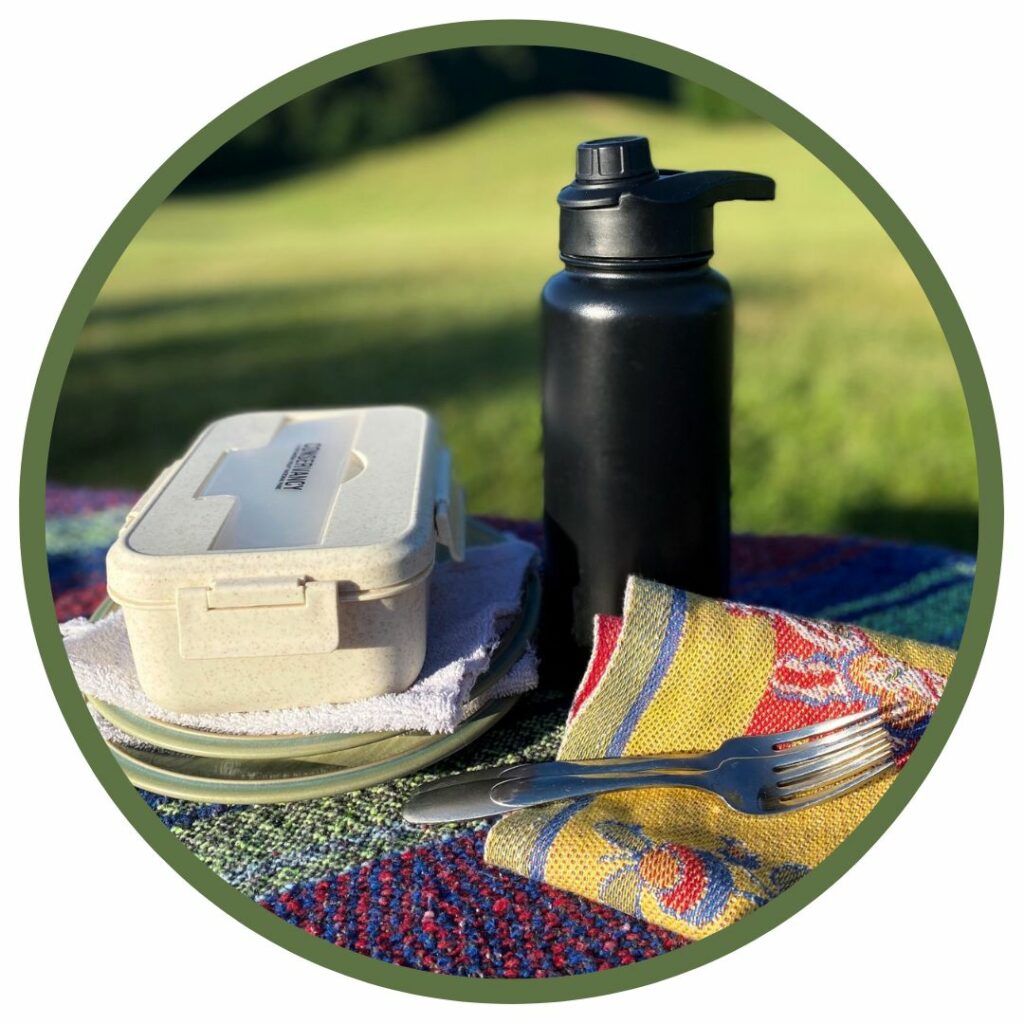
464 797
803 767
821 738
839 729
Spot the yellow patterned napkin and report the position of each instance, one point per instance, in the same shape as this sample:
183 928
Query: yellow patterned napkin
683 673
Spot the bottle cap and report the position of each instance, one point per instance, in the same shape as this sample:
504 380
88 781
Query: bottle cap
620 207
617 159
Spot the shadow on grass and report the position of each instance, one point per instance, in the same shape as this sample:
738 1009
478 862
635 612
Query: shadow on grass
156 371
127 410
251 302
952 526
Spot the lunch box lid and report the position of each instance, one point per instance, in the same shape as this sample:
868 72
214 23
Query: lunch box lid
264 502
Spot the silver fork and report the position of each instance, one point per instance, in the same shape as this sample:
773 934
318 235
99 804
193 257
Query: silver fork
800 774
824 737
756 774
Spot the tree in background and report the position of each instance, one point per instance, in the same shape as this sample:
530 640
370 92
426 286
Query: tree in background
707 104
415 95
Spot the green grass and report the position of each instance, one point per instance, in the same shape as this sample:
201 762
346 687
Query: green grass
412 275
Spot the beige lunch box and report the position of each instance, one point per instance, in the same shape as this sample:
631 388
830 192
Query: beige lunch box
284 560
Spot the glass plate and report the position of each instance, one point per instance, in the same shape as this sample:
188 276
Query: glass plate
225 780
191 764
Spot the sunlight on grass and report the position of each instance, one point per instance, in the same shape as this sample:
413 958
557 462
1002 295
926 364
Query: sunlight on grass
412 274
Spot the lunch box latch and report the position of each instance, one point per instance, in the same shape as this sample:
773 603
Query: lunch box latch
258 618
449 509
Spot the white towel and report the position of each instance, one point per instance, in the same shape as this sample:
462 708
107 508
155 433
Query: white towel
470 604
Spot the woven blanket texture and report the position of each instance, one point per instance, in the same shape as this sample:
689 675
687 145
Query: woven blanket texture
681 672
350 870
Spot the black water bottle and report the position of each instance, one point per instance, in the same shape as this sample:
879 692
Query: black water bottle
637 379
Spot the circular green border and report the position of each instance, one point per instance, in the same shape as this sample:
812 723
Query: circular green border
344 62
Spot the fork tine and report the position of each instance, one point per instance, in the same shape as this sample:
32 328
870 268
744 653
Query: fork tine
792 758
849 752
829 794
837 771
821 728
790 763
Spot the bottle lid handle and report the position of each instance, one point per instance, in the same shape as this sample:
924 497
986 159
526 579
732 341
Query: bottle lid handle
705 188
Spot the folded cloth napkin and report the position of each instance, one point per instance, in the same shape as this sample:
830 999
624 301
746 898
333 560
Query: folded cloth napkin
471 602
684 673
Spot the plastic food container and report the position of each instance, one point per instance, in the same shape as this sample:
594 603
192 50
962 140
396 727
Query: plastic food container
284 560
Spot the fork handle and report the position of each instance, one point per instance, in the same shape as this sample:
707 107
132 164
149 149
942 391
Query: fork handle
625 765
530 792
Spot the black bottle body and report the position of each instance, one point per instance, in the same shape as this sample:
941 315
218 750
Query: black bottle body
637 371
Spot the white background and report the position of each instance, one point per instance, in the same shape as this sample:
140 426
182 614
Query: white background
97 95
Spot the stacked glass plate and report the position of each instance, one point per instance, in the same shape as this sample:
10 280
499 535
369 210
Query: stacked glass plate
191 764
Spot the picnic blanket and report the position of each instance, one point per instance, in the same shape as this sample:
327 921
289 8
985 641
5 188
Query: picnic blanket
349 870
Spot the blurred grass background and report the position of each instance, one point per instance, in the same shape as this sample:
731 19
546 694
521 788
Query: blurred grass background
411 273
